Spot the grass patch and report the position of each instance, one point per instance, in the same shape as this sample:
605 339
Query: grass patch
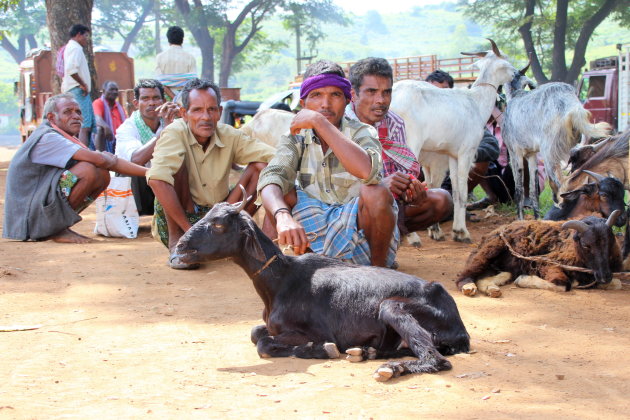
544 202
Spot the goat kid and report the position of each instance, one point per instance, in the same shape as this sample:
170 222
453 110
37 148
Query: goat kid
316 306
587 243
447 125
548 120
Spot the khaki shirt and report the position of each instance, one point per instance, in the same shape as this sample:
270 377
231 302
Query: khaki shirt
321 175
208 171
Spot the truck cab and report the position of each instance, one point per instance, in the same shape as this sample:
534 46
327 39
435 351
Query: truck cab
598 90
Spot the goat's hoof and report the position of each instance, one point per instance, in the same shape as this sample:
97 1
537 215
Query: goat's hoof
371 353
615 284
383 374
414 240
462 239
469 289
354 351
354 359
331 350
493 291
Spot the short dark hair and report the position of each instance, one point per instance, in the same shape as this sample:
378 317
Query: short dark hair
371 66
175 35
107 84
323 67
199 84
147 84
78 29
440 76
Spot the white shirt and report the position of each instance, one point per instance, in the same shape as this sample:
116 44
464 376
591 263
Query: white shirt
128 139
74 62
175 60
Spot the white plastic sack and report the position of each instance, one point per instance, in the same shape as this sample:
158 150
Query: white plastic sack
116 212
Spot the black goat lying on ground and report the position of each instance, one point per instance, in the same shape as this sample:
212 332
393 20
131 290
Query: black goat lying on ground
542 254
316 306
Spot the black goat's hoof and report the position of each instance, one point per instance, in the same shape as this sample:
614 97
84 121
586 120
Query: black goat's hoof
383 374
331 350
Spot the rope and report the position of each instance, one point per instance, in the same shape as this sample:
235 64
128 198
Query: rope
542 259
267 264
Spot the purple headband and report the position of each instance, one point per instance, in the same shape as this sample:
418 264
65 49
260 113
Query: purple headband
323 80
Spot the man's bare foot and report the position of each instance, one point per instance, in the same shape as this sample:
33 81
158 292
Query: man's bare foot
68 236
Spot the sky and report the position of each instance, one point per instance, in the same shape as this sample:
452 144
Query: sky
384 6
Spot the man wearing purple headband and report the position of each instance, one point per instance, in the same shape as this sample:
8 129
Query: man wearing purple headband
338 208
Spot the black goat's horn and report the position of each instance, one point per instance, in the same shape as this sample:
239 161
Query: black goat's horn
596 177
613 218
241 205
578 225
495 49
524 69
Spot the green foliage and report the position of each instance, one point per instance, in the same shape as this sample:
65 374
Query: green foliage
506 16
9 105
21 21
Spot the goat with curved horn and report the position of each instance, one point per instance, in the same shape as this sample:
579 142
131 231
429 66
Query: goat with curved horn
241 204
613 218
524 69
495 49
577 225
597 177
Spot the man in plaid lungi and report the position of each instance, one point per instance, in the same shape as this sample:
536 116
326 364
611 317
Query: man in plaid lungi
339 208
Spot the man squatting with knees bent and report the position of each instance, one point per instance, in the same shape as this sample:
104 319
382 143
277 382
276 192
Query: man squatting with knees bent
137 136
339 205
419 208
53 177
191 165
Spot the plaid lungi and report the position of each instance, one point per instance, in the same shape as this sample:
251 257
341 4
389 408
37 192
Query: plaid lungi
333 231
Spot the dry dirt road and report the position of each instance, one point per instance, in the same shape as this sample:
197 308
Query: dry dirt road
123 336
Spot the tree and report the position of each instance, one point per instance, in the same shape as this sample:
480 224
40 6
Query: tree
21 22
557 26
305 20
60 16
125 19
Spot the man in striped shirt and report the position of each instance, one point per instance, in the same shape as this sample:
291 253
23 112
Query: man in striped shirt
419 208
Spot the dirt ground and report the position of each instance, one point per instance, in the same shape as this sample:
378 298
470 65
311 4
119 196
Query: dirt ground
120 335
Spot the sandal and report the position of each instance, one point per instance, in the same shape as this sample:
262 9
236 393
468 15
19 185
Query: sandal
175 263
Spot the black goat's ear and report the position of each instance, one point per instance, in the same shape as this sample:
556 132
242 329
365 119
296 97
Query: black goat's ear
251 245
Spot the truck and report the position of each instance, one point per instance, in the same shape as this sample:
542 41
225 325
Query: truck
34 84
605 89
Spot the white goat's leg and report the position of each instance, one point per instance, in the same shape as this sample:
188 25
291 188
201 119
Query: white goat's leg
459 180
490 285
413 239
532 163
535 282
432 181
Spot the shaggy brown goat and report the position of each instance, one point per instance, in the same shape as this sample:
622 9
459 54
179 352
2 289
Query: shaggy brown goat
547 250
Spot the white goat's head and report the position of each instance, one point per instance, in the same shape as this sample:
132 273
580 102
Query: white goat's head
494 67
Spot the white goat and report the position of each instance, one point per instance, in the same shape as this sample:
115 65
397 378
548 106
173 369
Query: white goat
269 125
447 125
548 120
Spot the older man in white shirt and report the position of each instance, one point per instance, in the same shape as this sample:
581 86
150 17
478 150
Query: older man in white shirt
76 78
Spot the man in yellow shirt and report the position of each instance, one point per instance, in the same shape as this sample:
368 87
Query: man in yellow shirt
192 161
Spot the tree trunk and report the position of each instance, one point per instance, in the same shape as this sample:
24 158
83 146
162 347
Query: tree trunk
526 33
18 52
197 23
131 36
158 46
60 16
585 34
559 66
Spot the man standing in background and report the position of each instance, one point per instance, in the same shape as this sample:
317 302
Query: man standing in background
76 77
175 67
